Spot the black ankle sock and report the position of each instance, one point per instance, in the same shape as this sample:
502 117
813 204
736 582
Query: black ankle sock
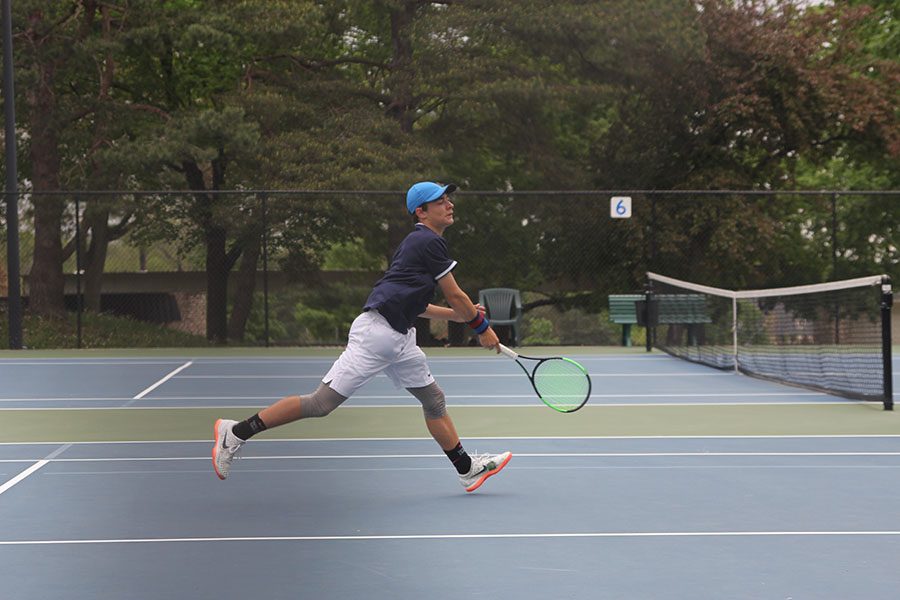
248 428
460 459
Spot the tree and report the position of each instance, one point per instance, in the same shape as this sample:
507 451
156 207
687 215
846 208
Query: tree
290 117
734 99
43 51
67 64
220 97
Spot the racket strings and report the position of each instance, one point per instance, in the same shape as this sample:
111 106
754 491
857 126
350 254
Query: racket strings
562 384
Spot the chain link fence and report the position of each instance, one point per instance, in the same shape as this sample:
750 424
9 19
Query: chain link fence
261 268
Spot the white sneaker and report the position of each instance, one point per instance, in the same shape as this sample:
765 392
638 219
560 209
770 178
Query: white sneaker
226 447
483 466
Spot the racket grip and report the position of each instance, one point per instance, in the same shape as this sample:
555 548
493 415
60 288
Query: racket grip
507 351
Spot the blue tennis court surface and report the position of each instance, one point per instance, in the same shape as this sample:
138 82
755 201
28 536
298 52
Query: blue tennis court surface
212 382
366 516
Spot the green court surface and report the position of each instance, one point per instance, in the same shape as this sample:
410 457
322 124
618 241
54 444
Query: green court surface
50 424
137 424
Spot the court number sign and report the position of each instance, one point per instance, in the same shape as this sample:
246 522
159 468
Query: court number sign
620 207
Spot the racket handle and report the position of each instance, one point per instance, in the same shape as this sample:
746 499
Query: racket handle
507 351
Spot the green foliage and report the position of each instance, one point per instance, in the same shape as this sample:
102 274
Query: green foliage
255 331
592 329
547 326
352 256
520 95
750 328
316 325
306 316
538 332
98 331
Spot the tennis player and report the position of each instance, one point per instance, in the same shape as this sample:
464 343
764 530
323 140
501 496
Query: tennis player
383 340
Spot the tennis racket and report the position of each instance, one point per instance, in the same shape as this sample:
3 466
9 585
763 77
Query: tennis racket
561 383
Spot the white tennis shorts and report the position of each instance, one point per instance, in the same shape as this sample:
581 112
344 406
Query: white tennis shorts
375 347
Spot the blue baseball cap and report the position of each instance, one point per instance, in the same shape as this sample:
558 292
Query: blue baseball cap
425 192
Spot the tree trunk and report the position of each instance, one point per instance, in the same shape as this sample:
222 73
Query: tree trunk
245 285
45 282
403 109
217 262
400 82
4 289
216 286
46 291
96 220
96 213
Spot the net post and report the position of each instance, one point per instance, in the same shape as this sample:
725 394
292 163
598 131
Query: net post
734 332
650 330
887 299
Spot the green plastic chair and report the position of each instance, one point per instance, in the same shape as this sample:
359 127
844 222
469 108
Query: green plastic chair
504 307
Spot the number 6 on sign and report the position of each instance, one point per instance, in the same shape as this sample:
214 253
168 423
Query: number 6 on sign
561 383
620 207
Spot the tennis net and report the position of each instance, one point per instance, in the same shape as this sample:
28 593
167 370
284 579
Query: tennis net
832 337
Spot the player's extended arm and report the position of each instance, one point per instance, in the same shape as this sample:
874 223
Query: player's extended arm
433 311
464 308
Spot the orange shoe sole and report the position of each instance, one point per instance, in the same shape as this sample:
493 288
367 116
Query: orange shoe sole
484 477
215 448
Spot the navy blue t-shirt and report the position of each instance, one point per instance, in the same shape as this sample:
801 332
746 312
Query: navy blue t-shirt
407 287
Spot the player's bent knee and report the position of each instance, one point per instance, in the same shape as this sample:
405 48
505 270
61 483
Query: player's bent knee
433 401
321 402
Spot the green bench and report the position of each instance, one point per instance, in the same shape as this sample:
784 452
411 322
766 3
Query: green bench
622 311
681 309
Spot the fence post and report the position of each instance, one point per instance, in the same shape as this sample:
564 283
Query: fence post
79 303
834 265
834 238
887 300
652 264
265 252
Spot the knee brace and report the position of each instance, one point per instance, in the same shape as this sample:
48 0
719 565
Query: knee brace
432 399
320 403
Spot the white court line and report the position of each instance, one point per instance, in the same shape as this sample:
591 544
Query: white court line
88 363
534 404
449 396
212 360
458 536
297 359
18 478
466 376
502 437
443 469
437 457
163 380
33 468
444 359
